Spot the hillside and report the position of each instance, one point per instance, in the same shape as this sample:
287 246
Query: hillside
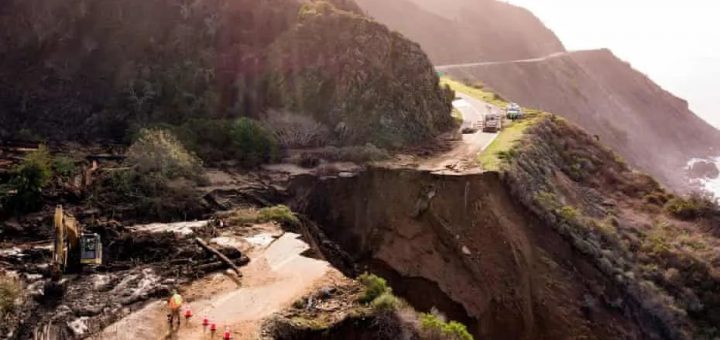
524 62
466 31
650 127
94 71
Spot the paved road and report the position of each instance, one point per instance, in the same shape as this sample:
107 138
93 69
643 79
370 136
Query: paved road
463 156
487 63
473 111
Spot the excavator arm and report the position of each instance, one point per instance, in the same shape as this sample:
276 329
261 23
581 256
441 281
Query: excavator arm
67 238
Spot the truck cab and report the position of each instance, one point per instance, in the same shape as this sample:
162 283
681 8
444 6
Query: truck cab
492 122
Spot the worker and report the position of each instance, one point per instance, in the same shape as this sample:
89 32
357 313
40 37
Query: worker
175 304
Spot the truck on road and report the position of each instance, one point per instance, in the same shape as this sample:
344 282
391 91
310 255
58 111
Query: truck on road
492 122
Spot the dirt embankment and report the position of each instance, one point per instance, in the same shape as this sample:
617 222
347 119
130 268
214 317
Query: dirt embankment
463 245
610 99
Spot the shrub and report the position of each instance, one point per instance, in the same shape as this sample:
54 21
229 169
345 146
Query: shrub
375 286
280 214
10 291
696 206
251 143
158 151
162 178
64 166
433 327
28 179
386 302
568 213
296 130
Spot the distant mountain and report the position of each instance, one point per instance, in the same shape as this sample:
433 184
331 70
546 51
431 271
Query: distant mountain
463 31
649 127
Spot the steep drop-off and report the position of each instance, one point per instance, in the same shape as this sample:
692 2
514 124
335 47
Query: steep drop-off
463 245
654 130
467 31
96 69
566 241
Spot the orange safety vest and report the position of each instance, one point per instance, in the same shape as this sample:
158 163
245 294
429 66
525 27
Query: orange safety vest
175 302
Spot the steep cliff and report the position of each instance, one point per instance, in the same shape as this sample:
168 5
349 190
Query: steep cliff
564 241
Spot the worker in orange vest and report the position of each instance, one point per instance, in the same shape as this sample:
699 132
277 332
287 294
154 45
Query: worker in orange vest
175 304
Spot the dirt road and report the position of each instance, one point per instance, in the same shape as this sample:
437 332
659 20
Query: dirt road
277 276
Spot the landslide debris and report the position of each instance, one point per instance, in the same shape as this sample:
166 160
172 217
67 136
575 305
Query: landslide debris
100 71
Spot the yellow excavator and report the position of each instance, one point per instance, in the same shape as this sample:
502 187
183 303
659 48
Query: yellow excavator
73 248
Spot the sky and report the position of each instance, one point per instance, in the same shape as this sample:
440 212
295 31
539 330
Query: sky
676 43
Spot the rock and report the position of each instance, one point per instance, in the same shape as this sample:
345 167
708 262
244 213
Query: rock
703 169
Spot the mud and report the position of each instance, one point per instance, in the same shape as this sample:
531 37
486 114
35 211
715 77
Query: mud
463 245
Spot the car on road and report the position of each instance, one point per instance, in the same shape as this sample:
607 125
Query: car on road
513 111
469 130
492 123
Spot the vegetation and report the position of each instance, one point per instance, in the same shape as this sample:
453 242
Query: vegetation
666 264
478 91
23 191
10 291
386 302
64 166
280 214
375 286
433 327
696 206
501 149
161 178
243 139
322 82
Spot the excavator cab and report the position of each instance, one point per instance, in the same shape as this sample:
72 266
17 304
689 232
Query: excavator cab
90 249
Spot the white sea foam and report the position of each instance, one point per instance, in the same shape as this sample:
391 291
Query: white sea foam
710 185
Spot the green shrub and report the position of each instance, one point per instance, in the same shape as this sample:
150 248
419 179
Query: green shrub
280 214
434 328
696 206
251 143
568 213
158 151
10 291
375 286
64 166
28 180
386 302
162 179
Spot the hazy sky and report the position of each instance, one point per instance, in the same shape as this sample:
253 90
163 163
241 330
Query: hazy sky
676 43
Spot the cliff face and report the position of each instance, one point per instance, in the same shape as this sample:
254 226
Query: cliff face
648 126
467 31
94 70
